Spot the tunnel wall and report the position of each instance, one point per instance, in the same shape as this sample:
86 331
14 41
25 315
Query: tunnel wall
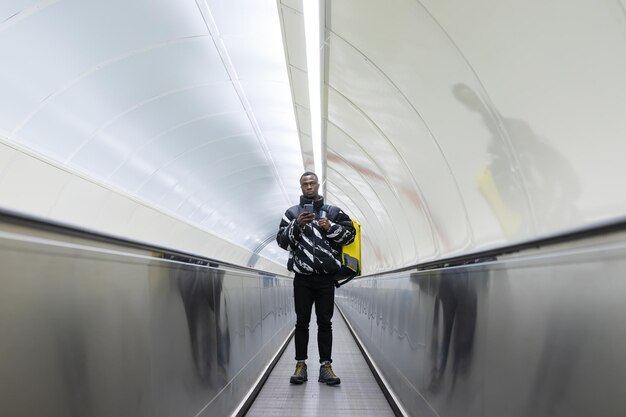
537 333
457 126
36 186
97 329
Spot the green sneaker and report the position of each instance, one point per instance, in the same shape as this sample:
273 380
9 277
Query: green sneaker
327 375
299 376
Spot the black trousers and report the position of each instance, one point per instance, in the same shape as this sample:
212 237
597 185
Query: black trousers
318 290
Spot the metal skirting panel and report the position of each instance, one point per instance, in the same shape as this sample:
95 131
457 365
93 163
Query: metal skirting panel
358 394
538 333
97 329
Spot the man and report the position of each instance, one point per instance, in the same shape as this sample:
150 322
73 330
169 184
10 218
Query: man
314 241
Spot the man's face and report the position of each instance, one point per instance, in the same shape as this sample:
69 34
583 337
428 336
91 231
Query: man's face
309 186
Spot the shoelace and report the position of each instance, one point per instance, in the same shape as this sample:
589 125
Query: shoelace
329 370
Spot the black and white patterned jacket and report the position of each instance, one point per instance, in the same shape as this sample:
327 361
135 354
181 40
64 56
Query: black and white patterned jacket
311 250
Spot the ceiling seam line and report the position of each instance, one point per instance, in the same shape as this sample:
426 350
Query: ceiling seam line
94 69
400 157
211 26
206 187
193 149
395 232
490 107
135 107
214 210
117 190
165 132
430 133
393 188
25 13
290 67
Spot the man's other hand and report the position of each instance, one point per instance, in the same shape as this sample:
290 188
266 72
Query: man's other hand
324 223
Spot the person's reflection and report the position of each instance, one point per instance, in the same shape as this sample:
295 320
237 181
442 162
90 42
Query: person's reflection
69 325
565 331
550 184
455 297
201 292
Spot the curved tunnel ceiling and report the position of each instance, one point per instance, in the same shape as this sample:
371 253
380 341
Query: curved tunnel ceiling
449 126
454 126
185 105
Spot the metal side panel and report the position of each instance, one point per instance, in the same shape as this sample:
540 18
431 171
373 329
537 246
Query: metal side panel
98 329
538 333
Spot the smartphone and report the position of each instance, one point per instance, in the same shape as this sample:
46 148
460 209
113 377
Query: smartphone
308 208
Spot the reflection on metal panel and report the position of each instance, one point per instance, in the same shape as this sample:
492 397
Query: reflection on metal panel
93 329
535 334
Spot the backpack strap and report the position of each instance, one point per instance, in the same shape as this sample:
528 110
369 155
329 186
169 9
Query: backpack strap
331 211
339 284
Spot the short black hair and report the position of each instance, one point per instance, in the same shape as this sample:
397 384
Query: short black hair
309 173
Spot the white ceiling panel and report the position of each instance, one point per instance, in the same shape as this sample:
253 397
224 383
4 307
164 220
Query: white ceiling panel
129 133
77 111
293 22
498 126
15 8
185 105
71 38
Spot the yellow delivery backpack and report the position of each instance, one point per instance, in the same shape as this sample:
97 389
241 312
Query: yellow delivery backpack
350 258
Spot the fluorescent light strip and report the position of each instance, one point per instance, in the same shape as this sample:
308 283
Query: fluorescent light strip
313 46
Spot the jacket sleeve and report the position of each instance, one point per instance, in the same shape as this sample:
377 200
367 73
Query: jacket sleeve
341 230
289 232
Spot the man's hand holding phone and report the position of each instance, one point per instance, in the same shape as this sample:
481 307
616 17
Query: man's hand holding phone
307 216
